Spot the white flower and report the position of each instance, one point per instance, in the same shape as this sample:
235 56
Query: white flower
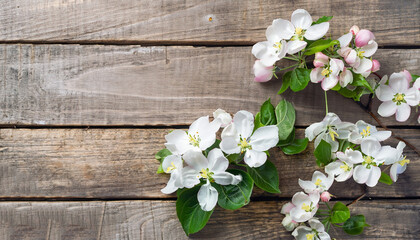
397 97
327 74
263 73
173 164
365 130
330 128
211 169
222 116
238 138
288 223
200 135
401 165
272 50
316 231
374 156
343 168
319 183
306 206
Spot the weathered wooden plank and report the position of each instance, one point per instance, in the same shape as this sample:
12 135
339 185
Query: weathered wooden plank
119 163
393 22
133 85
389 219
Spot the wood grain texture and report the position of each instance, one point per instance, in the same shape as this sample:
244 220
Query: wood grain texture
133 85
119 163
393 22
389 219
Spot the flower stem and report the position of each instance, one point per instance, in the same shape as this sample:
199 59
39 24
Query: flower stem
326 103
328 206
288 67
292 58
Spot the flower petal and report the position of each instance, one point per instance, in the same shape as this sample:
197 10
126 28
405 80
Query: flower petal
387 109
301 18
374 176
255 158
307 186
287 207
398 83
381 135
177 142
329 82
316 75
295 46
346 77
190 177
361 174
230 145
225 178
196 159
170 187
370 147
282 28
364 66
170 161
314 130
260 49
317 31
244 123
217 161
412 96
403 112
370 49
385 93
345 39
207 197
264 138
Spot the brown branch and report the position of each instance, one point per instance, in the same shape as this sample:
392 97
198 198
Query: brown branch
357 199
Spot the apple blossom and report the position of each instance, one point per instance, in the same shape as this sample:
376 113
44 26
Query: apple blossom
397 97
354 29
400 165
306 206
328 130
374 156
222 116
376 66
316 231
173 164
200 135
327 74
342 168
320 183
363 38
299 28
288 223
364 130
263 73
211 169
325 197
345 77
272 50
238 138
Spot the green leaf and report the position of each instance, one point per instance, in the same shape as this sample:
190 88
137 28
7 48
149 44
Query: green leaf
355 225
268 116
322 19
215 145
359 92
232 197
288 140
347 93
336 87
339 213
189 212
320 45
285 82
414 77
236 157
285 114
385 178
257 121
360 81
297 146
160 156
323 153
265 177
300 78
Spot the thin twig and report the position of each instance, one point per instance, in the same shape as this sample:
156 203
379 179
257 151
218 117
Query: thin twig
357 199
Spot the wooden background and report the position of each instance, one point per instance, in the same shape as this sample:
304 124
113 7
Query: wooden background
89 88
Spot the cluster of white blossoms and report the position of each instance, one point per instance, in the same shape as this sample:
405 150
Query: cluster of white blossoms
397 95
361 159
285 37
193 162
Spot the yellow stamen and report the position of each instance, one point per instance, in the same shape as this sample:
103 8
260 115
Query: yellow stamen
277 45
299 31
368 159
306 207
404 161
204 173
171 168
365 132
195 141
345 167
318 182
360 54
310 236
326 72
399 97
332 133
244 145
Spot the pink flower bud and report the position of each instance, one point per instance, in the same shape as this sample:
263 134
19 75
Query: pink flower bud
375 65
407 76
325 196
320 59
354 30
363 37
262 73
